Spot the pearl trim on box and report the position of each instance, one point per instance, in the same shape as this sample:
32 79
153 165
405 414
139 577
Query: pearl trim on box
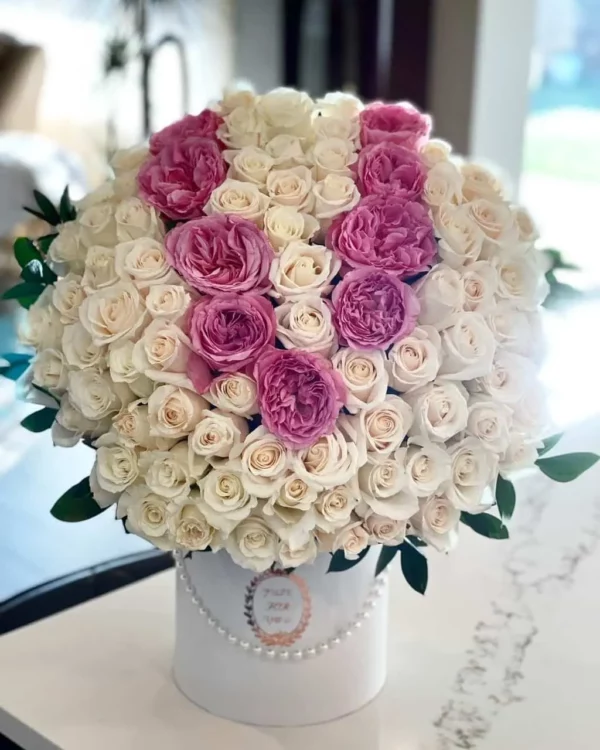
375 593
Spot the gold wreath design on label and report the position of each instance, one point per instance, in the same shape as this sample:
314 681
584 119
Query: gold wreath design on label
281 638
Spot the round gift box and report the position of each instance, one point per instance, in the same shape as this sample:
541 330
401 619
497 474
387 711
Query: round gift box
279 649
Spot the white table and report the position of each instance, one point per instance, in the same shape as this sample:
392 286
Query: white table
501 653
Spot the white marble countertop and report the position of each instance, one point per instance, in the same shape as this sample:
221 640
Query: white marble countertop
501 653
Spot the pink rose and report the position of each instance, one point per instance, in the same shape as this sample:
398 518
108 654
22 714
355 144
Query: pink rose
179 179
385 231
203 125
221 253
300 395
390 168
373 309
231 331
394 123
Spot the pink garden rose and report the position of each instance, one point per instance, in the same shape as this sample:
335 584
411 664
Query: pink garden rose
203 125
385 231
373 309
179 179
221 253
230 332
391 168
300 395
394 123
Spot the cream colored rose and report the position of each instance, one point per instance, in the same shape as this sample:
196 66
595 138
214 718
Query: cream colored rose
166 472
479 182
100 269
480 281
333 156
218 435
126 185
144 262
352 539
42 327
334 507
167 302
249 164
334 195
190 529
516 330
435 151
520 280
306 323
174 412
428 466
68 247
115 469
303 269
253 545
468 347
439 410
67 296
79 350
286 151
285 110
147 515
293 502
291 187
510 379
294 556
415 360
461 239
520 453
285 224
70 425
133 427
114 313
162 353
473 468
98 226
263 463
225 501
242 127
385 426
50 370
339 104
364 376
235 393
95 394
383 487
495 219
441 294
238 198
136 219
528 231
384 530
128 159
443 185
437 522
236 95
333 460
344 128
530 415
104 193
490 422
123 370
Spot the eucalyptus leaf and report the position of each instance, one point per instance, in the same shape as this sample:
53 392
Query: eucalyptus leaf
485 525
414 567
339 561
47 208
549 443
40 421
77 504
506 498
386 556
567 467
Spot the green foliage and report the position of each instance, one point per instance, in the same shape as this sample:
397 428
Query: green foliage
485 525
43 243
16 365
506 498
77 504
339 561
386 556
567 467
549 443
414 567
415 541
66 209
47 208
39 421
25 294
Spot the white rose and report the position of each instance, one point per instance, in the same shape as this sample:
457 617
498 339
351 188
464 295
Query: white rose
333 460
441 294
128 159
67 247
144 261
306 323
437 522
285 110
382 530
385 426
70 425
285 224
50 371
167 301
286 151
530 414
104 193
427 466
252 544
95 394
98 226
461 239
242 127
443 185
162 353
468 348
133 427
519 454
166 472
225 501
294 556
364 376
115 469
249 164
67 296
263 463
190 529
237 95
100 269
123 370
331 126
218 435
479 182
174 412
235 393
333 156
480 281
302 269
42 327
495 219
293 502
79 349
516 330
435 151
439 410
136 219
383 485
520 280
334 507
473 468
114 313
352 539
415 360
237 198
126 185
528 231
147 515
510 378
334 194
291 187
490 422
339 104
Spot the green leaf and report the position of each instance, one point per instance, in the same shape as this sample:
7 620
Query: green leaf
26 294
35 213
485 524
386 556
39 421
16 358
414 567
415 541
66 209
549 443
339 561
25 251
77 504
567 467
44 242
46 392
47 208
557 261
17 365
506 498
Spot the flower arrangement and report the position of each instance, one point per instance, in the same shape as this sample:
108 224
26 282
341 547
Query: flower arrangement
289 327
